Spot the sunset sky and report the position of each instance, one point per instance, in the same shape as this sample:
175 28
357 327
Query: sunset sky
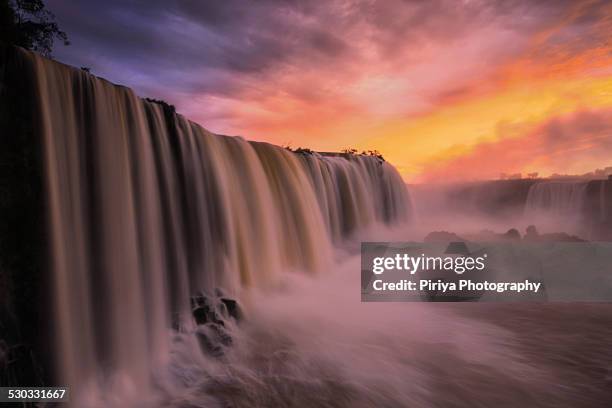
445 90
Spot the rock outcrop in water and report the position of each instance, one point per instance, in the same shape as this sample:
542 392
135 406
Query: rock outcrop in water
442 236
140 209
213 314
512 235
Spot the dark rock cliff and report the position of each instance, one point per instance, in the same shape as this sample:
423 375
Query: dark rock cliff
24 311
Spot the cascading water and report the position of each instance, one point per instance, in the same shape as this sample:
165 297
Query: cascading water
559 198
557 205
603 207
147 208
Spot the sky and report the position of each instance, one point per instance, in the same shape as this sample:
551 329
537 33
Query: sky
445 90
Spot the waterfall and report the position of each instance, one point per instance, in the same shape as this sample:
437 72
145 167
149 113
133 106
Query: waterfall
603 214
556 198
146 208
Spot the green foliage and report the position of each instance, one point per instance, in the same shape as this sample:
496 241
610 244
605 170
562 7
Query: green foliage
374 153
299 150
349 151
165 105
28 24
303 150
354 152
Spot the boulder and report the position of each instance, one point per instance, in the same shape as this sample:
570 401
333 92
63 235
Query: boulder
232 307
560 237
531 233
442 236
211 312
512 234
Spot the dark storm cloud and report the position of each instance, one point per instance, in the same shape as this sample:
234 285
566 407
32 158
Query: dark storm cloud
192 37
217 47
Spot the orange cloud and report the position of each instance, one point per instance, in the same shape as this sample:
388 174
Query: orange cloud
418 143
438 97
425 83
568 144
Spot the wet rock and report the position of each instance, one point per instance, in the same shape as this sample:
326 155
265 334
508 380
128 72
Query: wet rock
560 237
209 345
200 314
222 309
221 334
442 236
531 233
213 339
207 308
512 234
202 299
211 313
232 308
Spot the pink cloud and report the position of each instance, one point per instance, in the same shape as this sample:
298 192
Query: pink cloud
574 143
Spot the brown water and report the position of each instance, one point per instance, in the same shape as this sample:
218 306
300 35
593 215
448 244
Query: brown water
147 208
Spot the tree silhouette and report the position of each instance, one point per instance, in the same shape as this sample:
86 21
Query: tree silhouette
28 24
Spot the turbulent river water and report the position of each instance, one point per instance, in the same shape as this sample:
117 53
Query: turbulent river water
312 343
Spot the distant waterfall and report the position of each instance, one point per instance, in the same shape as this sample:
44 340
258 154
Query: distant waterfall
146 208
556 198
603 213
